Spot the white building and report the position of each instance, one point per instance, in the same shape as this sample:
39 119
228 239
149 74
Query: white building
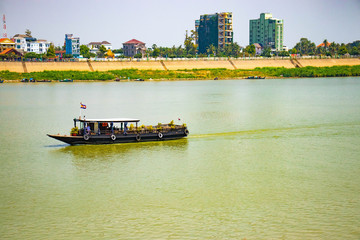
95 46
30 44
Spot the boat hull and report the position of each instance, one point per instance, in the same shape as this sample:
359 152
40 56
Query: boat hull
130 138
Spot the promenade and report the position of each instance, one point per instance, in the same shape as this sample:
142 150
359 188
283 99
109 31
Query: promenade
23 67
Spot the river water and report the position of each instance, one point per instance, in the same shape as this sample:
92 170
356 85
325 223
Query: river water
265 159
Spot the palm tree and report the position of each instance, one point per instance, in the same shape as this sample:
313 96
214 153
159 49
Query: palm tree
325 44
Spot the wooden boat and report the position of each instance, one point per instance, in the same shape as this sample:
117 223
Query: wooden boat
43 80
66 80
108 131
255 77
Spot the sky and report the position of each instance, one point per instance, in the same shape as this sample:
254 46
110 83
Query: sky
164 22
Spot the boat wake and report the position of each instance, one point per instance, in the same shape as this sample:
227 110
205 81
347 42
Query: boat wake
276 130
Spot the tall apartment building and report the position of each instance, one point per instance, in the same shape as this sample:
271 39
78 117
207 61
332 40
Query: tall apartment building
214 29
267 31
72 45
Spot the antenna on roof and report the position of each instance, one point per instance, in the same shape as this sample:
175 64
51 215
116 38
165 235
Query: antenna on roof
4 27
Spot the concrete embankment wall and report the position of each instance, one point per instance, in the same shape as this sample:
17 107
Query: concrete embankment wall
171 65
329 62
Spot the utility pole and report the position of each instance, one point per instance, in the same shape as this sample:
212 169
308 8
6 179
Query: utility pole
4 27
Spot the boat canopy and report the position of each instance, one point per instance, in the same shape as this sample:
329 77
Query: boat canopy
108 120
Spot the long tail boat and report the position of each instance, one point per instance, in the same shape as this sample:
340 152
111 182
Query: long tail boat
119 130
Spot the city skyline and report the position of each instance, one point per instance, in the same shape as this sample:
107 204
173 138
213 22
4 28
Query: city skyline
164 23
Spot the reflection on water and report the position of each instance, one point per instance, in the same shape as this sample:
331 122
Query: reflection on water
84 155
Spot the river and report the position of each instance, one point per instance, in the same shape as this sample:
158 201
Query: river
265 159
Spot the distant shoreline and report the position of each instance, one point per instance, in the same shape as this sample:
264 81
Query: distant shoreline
180 70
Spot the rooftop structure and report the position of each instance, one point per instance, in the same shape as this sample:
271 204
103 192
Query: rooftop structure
6 43
95 46
267 31
133 47
214 29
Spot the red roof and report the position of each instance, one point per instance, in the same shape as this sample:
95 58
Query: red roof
133 41
9 50
322 44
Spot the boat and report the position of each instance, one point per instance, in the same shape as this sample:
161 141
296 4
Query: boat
139 80
255 77
1 81
32 80
118 130
66 80
24 80
43 80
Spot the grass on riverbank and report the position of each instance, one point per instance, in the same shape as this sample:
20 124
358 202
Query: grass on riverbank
221 73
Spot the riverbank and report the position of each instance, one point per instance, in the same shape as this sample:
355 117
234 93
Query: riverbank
231 64
186 74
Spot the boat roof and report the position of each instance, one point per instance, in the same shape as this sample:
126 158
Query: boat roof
109 120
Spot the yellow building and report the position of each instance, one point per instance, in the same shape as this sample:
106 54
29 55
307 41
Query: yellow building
6 43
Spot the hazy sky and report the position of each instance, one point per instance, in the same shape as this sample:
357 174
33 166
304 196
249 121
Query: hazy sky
164 22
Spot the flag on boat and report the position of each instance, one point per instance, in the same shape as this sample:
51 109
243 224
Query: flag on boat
82 106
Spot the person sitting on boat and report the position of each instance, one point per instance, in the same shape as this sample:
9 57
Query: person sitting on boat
125 128
88 131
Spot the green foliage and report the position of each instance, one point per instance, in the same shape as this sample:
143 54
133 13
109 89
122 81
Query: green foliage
85 52
155 53
250 50
51 51
305 47
355 51
266 52
283 54
138 55
335 71
74 130
28 33
67 55
343 50
32 55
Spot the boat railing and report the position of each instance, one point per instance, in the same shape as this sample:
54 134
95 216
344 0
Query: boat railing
164 128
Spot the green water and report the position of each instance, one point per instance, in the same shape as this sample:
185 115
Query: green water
265 159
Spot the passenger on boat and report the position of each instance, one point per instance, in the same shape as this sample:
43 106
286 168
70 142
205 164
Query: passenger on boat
125 128
88 131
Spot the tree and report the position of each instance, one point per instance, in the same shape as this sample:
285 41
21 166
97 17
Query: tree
284 54
250 50
155 51
211 50
343 50
31 55
68 56
325 45
354 51
189 43
51 51
84 50
332 48
101 52
305 47
266 52
138 55
28 33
